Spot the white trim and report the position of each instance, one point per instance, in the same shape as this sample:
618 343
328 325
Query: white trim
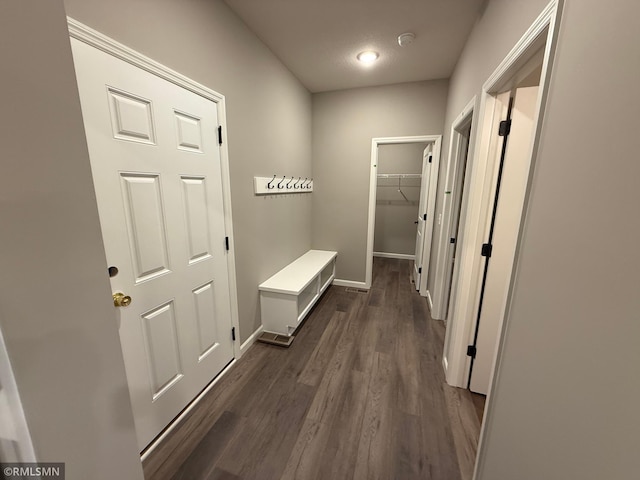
510 63
106 44
12 417
431 214
349 283
443 261
251 340
468 279
429 302
176 421
401 256
436 140
550 17
96 39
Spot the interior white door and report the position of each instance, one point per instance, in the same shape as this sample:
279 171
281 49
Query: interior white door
425 184
462 150
506 228
155 159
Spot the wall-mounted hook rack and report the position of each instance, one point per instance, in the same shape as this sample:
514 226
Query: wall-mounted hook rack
279 184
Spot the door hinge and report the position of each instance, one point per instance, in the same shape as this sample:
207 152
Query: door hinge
220 135
226 243
424 217
505 128
452 240
233 333
420 270
487 248
471 351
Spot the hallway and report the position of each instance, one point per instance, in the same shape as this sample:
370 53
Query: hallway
359 394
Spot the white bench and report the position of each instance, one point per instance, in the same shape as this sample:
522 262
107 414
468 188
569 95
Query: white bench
287 296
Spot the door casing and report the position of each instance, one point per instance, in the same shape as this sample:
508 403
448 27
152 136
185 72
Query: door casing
436 140
462 321
95 39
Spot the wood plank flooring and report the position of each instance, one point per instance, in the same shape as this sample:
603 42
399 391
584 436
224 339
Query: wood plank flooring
360 394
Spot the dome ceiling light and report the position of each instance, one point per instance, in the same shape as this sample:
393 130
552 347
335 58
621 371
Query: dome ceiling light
368 57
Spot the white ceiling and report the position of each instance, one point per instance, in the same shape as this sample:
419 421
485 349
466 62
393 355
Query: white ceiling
318 40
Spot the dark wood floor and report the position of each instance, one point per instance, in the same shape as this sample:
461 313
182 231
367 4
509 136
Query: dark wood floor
360 394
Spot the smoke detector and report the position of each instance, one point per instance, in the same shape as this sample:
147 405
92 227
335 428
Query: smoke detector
405 39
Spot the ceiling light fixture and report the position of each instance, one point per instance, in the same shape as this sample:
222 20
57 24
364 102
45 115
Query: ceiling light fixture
406 38
368 57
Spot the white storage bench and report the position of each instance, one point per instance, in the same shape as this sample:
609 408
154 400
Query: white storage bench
287 297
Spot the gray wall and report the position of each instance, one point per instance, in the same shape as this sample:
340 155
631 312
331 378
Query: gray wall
565 402
56 312
395 231
498 29
268 114
344 122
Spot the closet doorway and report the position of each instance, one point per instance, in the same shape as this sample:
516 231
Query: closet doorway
404 177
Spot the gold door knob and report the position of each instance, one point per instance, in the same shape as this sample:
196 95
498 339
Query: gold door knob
121 300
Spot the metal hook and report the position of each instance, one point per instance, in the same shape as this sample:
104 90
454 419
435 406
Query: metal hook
289 183
295 185
304 184
269 186
309 184
280 182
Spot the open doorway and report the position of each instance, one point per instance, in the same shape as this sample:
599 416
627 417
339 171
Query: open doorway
453 211
515 134
402 195
398 197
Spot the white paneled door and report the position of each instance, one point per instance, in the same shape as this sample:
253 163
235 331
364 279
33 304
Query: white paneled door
421 222
155 158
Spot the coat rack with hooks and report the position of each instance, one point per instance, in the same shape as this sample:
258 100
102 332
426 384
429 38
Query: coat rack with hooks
282 184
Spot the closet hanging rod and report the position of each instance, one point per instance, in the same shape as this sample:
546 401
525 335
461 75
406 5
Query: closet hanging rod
399 175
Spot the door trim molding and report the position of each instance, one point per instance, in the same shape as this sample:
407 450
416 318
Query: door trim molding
462 322
456 363
468 114
108 45
436 140
100 41
443 261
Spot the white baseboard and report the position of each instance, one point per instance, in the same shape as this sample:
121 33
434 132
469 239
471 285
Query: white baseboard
429 302
251 340
349 283
401 256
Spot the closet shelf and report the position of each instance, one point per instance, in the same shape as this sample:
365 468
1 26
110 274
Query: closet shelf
399 175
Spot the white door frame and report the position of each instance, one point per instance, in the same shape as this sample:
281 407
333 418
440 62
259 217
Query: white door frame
462 319
436 140
15 439
440 287
91 37
445 282
102 42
